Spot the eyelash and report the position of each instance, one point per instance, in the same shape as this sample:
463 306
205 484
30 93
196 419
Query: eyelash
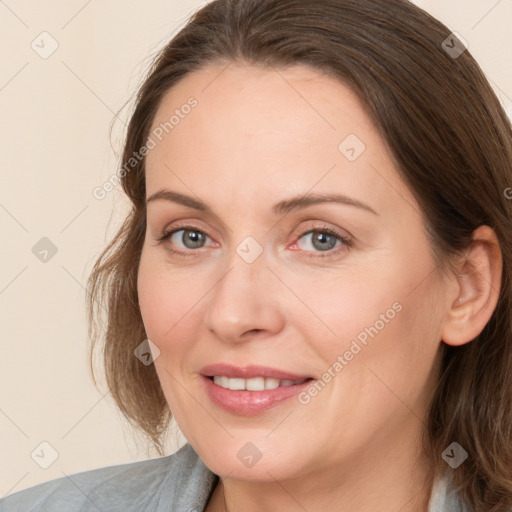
316 254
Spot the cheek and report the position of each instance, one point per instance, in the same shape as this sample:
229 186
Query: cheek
353 305
167 306
164 303
152 299
172 307
393 370
387 325
165 297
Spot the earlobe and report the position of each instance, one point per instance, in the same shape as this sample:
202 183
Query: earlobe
479 283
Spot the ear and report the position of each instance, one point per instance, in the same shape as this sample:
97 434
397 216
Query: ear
477 293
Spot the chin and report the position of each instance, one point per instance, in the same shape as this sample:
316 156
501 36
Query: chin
241 459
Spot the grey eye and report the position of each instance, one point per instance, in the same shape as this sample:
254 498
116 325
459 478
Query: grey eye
190 238
321 241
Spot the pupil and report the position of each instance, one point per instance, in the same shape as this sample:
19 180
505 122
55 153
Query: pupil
194 237
322 238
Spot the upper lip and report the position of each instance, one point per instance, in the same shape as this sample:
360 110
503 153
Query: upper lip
248 372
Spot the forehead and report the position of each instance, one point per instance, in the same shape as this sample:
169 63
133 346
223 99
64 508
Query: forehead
267 133
263 105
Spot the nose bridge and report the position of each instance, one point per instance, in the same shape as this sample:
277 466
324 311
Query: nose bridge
242 300
247 260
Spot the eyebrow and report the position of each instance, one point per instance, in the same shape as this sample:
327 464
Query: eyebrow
280 208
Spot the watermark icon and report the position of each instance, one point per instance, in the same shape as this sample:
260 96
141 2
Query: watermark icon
157 133
454 45
146 352
508 193
351 147
44 250
45 45
249 455
342 361
454 455
44 455
249 249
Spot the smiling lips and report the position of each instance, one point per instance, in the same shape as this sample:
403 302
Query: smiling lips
252 389
254 384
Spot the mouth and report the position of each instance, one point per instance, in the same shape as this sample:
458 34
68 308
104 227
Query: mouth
250 373
255 383
250 390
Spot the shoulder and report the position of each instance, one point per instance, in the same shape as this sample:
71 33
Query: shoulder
179 481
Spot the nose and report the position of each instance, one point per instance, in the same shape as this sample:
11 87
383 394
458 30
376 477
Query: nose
245 302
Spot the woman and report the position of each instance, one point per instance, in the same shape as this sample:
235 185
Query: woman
369 374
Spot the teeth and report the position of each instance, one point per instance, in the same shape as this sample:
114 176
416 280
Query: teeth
255 384
236 384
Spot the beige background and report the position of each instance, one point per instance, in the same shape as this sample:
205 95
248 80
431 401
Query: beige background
56 114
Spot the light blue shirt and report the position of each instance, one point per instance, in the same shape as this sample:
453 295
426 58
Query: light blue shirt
179 483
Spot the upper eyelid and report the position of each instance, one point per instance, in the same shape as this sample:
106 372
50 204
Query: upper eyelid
302 217
187 224
298 231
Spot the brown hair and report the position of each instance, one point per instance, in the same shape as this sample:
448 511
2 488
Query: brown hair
452 144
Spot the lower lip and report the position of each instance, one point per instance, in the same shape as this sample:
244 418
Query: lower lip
249 403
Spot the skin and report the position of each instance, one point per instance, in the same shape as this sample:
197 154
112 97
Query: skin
255 138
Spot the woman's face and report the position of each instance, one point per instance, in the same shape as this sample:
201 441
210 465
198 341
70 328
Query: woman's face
266 283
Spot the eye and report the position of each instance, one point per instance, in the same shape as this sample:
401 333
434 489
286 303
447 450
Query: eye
323 239
190 237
